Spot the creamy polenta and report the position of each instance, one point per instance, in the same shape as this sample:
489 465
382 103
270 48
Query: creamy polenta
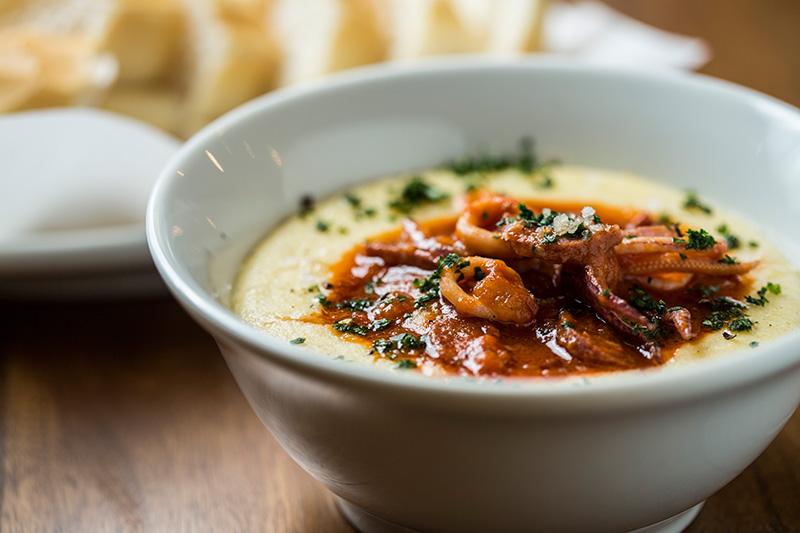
463 272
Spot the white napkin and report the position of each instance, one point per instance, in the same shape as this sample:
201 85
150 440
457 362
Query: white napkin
593 32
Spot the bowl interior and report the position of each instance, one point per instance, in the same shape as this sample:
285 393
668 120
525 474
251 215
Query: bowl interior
247 171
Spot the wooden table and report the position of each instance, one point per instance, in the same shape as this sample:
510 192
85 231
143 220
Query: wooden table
121 416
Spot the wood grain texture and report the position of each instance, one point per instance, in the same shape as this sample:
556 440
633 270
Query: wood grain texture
135 424
754 43
119 416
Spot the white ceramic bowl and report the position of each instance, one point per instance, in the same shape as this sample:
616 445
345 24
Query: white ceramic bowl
406 453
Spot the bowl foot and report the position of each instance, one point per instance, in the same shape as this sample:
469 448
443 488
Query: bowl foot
369 523
673 524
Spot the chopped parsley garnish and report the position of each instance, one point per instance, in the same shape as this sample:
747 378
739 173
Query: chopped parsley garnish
348 326
655 335
380 325
357 205
430 286
464 264
531 219
383 345
306 206
356 304
353 200
577 233
426 284
754 344
526 214
643 301
562 224
730 313
407 341
762 300
322 226
728 260
505 220
545 179
323 300
699 240
406 364
742 323
723 310
774 288
549 238
705 291
481 164
416 192
568 325
298 340
525 161
731 240
401 342
432 280
692 202
427 297
665 219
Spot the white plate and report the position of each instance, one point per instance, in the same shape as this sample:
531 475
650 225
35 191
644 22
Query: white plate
76 183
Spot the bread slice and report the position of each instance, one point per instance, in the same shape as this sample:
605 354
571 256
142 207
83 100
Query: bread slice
86 17
228 62
515 26
46 70
318 37
421 28
157 104
433 27
246 10
143 35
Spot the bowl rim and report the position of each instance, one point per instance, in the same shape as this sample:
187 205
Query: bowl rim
700 377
